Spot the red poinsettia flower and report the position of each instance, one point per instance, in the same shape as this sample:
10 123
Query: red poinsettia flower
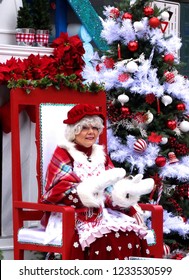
4 72
154 138
68 52
150 98
12 63
123 77
109 62
66 60
2 78
62 39
65 43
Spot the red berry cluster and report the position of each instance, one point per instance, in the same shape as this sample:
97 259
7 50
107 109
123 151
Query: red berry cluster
182 190
179 148
176 206
172 141
114 113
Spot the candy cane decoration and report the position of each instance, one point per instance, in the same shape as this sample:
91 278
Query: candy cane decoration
159 193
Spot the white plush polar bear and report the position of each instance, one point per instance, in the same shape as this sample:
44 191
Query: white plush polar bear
127 192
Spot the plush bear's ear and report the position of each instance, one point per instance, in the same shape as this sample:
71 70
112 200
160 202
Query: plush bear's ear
145 186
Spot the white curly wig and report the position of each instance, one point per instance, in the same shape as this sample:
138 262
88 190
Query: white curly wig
73 129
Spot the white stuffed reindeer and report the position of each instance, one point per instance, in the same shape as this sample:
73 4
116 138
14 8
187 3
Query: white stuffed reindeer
126 193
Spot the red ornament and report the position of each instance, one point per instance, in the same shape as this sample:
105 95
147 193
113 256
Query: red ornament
160 161
140 146
181 107
169 77
154 22
171 124
169 58
133 46
114 13
125 111
127 16
148 11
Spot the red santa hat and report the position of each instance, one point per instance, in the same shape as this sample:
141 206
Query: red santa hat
80 111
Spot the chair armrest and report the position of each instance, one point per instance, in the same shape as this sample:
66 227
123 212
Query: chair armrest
156 224
25 211
157 214
43 207
28 211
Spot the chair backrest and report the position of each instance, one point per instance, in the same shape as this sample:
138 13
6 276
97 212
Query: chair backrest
50 107
51 130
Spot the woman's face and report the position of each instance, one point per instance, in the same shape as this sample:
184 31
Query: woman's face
87 137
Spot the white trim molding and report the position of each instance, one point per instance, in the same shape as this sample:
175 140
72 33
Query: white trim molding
8 51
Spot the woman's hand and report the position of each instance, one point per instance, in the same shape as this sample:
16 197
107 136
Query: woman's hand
91 190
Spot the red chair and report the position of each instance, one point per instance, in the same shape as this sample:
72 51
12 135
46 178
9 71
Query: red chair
157 226
23 211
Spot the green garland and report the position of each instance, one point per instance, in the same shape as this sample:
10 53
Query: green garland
59 81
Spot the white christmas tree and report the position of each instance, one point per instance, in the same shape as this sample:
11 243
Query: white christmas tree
148 106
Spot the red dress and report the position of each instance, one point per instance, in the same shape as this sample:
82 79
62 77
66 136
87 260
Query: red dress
101 233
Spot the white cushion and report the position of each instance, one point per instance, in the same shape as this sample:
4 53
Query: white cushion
36 236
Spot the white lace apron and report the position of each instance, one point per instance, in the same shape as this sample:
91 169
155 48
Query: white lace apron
111 220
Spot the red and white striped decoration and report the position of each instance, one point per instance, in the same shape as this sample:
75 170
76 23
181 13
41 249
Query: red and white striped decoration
166 250
160 191
140 146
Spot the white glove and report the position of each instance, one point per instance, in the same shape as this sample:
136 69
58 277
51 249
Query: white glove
127 192
91 190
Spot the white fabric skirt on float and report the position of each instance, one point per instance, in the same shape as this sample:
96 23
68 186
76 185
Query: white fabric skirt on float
88 232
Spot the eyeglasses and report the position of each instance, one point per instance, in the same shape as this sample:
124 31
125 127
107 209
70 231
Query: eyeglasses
88 128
